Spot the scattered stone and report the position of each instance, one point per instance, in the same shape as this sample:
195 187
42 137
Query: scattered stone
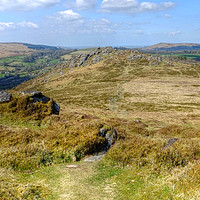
137 120
170 142
72 166
5 96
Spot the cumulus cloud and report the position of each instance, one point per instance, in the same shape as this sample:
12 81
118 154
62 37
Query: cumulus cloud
28 24
6 25
24 24
67 15
133 6
174 33
26 4
69 22
85 4
64 22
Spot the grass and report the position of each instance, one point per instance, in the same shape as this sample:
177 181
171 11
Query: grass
146 104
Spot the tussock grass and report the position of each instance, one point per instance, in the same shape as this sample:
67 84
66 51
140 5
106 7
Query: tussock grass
146 104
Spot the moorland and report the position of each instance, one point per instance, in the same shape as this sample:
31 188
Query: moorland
149 101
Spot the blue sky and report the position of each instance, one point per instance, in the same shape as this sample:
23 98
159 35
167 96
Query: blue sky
72 23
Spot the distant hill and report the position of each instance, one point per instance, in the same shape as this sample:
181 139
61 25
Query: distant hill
17 49
172 47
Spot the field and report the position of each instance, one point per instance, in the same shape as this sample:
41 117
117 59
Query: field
147 100
14 49
185 56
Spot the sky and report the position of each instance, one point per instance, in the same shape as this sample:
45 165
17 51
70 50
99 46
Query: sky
91 23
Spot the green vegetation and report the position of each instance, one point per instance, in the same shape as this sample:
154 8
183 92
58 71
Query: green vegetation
18 69
184 56
31 65
146 100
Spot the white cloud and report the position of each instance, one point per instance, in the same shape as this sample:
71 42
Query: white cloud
28 24
26 4
133 6
9 25
174 33
85 4
68 15
119 5
64 22
69 22
6 25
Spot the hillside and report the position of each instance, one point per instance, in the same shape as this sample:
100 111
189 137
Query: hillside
172 47
140 110
21 62
17 49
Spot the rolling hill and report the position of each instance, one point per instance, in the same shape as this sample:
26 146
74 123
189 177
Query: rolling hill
17 49
152 106
172 47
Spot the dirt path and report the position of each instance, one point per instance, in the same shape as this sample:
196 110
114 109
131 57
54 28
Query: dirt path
73 182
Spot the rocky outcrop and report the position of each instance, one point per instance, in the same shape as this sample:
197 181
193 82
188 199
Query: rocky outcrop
110 135
134 56
5 96
97 59
85 59
37 96
107 50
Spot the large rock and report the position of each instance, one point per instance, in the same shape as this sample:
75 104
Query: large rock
32 93
83 59
110 135
107 50
5 96
37 96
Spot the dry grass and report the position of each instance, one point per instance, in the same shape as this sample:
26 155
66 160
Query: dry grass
147 105
8 50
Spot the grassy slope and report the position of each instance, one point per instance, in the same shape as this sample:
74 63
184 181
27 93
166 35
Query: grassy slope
13 49
164 96
169 46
